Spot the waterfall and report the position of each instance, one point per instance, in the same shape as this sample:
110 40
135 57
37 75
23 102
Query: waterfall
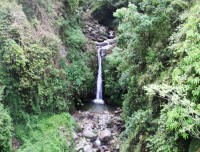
101 48
99 89
99 77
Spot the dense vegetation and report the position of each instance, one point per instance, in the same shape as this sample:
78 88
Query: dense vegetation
43 64
157 66
153 73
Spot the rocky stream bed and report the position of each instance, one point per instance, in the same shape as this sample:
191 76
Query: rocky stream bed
99 131
100 126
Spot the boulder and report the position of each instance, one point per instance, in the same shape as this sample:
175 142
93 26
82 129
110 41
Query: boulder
105 135
89 134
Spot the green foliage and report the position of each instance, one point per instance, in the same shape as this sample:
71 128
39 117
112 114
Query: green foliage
158 43
144 53
135 126
111 74
179 118
75 38
46 133
43 67
74 4
162 142
5 130
30 55
186 46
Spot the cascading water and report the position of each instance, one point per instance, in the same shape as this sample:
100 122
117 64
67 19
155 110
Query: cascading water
102 47
99 91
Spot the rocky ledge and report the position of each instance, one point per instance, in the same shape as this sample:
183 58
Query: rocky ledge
99 132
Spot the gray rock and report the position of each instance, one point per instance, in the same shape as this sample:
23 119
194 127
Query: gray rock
75 136
119 119
88 148
103 37
90 29
103 52
101 44
108 121
102 29
89 134
105 135
100 40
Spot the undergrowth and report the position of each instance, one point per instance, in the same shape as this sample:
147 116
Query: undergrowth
46 133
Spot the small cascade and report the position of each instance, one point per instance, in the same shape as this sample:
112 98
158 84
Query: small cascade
101 49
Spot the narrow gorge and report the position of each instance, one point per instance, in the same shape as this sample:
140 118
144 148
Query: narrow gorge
99 76
100 124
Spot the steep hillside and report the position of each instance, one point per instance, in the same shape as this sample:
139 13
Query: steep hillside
44 65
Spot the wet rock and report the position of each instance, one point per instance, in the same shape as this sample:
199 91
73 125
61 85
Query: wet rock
102 44
103 37
111 36
105 135
100 40
102 29
89 134
103 52
90 29
117 112
97 142
118 119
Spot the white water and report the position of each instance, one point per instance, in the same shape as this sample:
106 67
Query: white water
99 91
102 47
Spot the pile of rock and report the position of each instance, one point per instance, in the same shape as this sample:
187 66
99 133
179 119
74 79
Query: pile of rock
94 31
99 132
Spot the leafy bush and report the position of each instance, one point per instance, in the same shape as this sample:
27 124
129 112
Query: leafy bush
135 127
30 53
5 130
158 43
186 46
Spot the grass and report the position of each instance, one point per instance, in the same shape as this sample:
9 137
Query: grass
47 134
